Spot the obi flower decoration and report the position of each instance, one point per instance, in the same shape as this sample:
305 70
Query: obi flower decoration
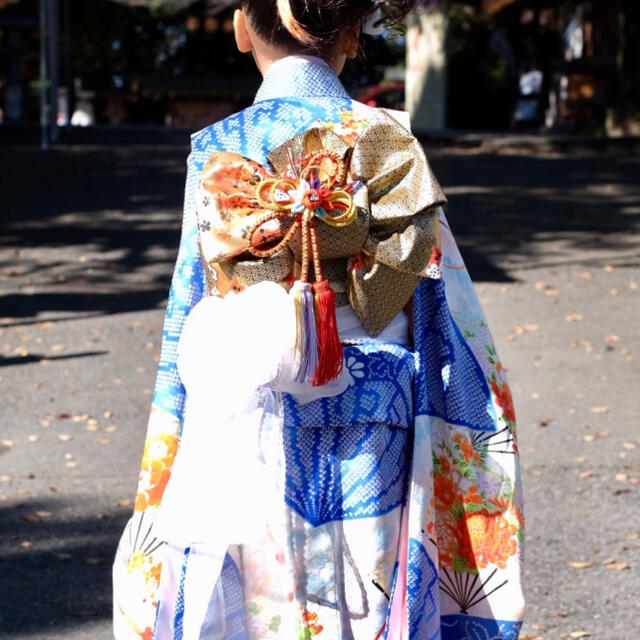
312 189
247 210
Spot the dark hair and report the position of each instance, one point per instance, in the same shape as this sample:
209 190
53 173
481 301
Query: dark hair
308 26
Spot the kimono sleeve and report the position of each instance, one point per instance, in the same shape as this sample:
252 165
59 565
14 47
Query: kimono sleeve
404 200
187 288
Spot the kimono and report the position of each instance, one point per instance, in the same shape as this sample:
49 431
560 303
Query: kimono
390 507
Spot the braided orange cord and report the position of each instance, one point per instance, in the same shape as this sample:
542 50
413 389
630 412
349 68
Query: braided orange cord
315 250
304 237
312 161
267 253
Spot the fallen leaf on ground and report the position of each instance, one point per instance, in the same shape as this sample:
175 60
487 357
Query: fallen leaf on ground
31 518
587 474
7 443
599 409
573 317
629 445
64 437
44 514
585 344
579 634
25 544
34 438
618 566
580 565
107 414
124 503
543 422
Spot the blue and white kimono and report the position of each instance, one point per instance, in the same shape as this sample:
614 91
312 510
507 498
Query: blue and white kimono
398 505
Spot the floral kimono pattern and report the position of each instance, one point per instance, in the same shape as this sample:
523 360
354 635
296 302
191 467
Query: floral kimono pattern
401 511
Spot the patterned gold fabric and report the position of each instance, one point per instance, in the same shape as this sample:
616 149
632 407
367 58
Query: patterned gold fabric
375 263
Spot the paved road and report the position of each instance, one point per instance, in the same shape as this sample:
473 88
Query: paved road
89 237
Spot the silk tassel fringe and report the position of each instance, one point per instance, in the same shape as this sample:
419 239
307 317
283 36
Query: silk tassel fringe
330 354
306 347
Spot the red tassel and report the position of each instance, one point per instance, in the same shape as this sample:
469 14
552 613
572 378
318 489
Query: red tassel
330 359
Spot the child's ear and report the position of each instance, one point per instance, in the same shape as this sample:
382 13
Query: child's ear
243 40
351 41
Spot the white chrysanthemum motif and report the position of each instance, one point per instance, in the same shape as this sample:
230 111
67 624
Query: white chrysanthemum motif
355 369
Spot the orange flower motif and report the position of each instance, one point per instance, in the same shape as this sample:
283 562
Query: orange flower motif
509 511
504 399
154 575
447 540
147 634
444 463
468 451
472 496
445 492
485 538
309 624
157 460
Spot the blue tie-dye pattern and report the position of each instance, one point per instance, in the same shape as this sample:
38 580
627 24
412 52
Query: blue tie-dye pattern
225 618
380 391
423 597
462 396
179 610
345 473
461 627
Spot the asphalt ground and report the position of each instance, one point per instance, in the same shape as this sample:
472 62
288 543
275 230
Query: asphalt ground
89 235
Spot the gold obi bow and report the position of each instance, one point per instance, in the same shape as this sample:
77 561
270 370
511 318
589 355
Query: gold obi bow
250 208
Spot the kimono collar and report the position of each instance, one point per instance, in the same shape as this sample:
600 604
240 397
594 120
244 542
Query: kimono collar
300 77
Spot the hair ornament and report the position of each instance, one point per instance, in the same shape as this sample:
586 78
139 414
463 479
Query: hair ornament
373 24
292 25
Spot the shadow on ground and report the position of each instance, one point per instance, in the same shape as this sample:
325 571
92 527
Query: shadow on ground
522 211
507 211
56 569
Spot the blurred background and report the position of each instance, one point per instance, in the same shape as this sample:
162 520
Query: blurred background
555 65
529 112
